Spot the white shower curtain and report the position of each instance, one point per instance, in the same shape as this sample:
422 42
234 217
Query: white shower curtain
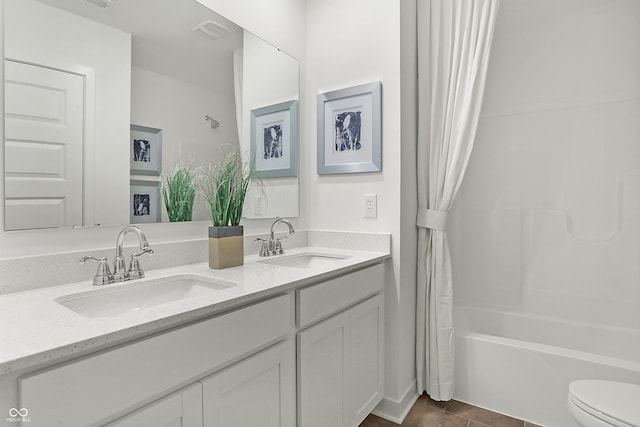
454 41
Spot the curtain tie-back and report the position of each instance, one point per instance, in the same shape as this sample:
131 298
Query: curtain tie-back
429 218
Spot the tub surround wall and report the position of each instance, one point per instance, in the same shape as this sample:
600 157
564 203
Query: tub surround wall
601 340
547 218
545 231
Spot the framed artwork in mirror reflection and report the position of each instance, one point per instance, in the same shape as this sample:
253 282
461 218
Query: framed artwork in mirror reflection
350 130
274 140
145 148
144 202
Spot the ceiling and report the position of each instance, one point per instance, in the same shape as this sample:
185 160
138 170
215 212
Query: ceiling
163 40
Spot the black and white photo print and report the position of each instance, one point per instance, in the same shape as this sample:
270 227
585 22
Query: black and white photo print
141 150
146 151
141 204
272 141
144 201
347 131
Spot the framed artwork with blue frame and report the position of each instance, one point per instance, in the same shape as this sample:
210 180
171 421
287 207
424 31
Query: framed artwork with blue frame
350 130
274 140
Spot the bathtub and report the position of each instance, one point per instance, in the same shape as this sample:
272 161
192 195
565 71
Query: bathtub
521 365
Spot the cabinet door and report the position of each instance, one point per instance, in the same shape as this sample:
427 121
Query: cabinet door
183 409
340 367
322 373
366 371
249 393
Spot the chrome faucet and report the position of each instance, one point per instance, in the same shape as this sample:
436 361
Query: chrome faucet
275 245
120 274
120 271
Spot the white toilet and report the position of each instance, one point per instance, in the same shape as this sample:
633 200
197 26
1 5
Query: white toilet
595 403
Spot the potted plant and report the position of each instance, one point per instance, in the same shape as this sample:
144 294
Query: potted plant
179 193
224 187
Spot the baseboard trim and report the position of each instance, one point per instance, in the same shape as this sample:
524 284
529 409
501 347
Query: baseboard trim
396 410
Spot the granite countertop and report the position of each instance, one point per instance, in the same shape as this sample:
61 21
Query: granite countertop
36 329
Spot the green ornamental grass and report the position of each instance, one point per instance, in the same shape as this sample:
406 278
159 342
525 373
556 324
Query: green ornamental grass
224 187
179 193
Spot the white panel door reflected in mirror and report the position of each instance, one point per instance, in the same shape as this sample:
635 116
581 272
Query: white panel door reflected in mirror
162 65
43 147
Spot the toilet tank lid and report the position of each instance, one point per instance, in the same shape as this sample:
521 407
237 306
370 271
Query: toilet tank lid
617 400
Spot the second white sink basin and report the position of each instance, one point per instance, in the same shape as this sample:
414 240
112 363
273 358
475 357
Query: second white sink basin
133 296
304 260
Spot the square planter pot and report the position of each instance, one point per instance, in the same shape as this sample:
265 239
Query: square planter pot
226 247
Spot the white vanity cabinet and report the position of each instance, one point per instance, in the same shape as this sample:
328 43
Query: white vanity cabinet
181 409
257 391
252 392
340 359
101 388
304 357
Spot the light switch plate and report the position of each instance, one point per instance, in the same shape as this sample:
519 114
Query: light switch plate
370 205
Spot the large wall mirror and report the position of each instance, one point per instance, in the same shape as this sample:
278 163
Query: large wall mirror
92 85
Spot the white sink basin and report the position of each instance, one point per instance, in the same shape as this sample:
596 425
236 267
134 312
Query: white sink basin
304 260
132 296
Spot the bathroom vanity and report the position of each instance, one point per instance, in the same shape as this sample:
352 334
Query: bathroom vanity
291 340
284 341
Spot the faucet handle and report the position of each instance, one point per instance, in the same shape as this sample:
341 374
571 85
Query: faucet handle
135 271
279 249
264 246
91 258
146 250
103 274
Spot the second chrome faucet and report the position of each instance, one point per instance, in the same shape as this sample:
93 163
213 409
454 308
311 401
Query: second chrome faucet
273 246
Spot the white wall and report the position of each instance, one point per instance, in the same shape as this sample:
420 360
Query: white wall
38 33
284 29
269 77
548 217
349 43
178 108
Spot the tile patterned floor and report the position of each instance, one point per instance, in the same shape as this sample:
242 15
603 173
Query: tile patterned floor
429 413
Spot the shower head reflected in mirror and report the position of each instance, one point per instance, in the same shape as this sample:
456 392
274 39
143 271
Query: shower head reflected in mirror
214 123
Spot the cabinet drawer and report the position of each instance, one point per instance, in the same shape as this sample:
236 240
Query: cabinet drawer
95 388
321 300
